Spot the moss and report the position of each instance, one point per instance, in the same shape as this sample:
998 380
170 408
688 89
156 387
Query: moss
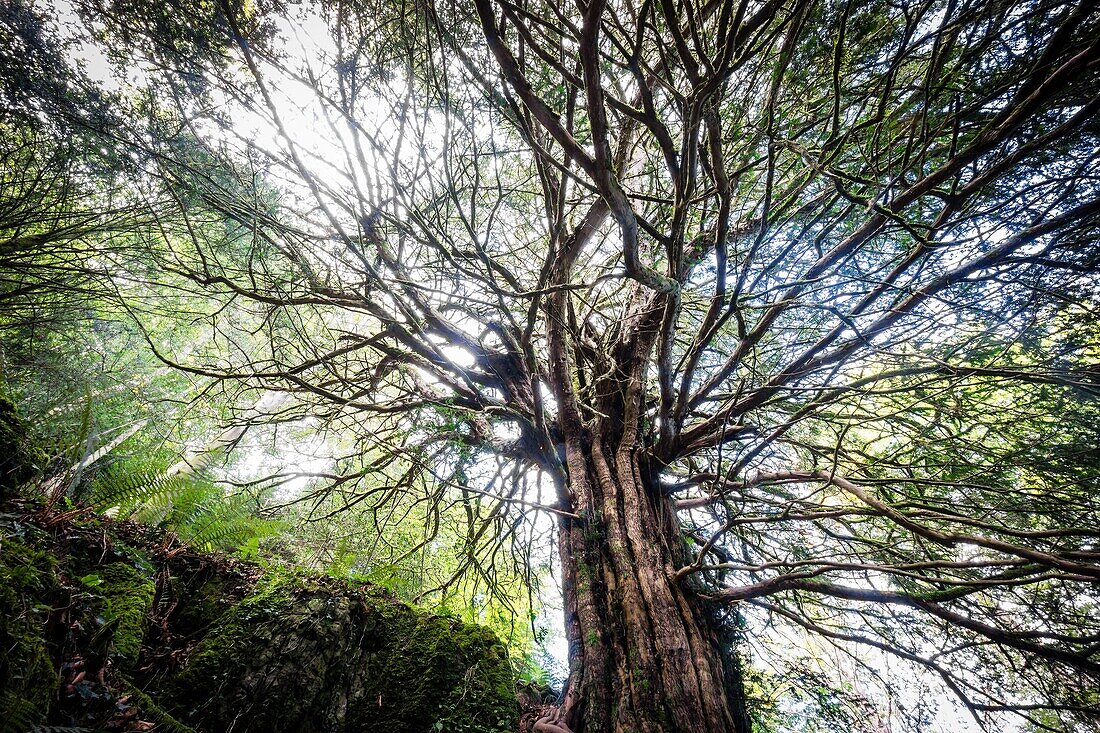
201 606
307 656
127 598
295 654
473 677
224 655
150 710
28 679
220 655
428 670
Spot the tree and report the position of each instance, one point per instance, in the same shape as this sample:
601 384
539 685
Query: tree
789 306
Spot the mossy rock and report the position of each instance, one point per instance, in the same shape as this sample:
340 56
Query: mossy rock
28 678
320 658
87 638
202 602
126 598
432 672
117 604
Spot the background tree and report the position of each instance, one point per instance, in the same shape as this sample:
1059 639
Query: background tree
783 307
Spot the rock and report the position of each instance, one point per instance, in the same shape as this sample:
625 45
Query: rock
111 626
317 657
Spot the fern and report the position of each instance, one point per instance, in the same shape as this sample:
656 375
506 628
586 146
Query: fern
139 492
191 504
208 518
19 715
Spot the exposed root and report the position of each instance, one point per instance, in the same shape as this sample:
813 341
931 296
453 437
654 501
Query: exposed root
551 723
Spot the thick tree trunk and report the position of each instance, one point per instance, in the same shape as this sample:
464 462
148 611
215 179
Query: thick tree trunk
644 654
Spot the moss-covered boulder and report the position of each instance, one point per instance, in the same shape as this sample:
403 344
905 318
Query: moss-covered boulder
110 626
328 657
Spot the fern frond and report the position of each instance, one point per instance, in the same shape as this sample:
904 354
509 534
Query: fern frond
144 494
19 714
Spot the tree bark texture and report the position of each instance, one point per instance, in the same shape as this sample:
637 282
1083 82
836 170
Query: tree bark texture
644 654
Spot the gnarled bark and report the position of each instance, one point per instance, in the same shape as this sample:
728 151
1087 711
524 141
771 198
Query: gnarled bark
644 654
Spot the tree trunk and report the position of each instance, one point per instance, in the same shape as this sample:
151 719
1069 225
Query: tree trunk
644 654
